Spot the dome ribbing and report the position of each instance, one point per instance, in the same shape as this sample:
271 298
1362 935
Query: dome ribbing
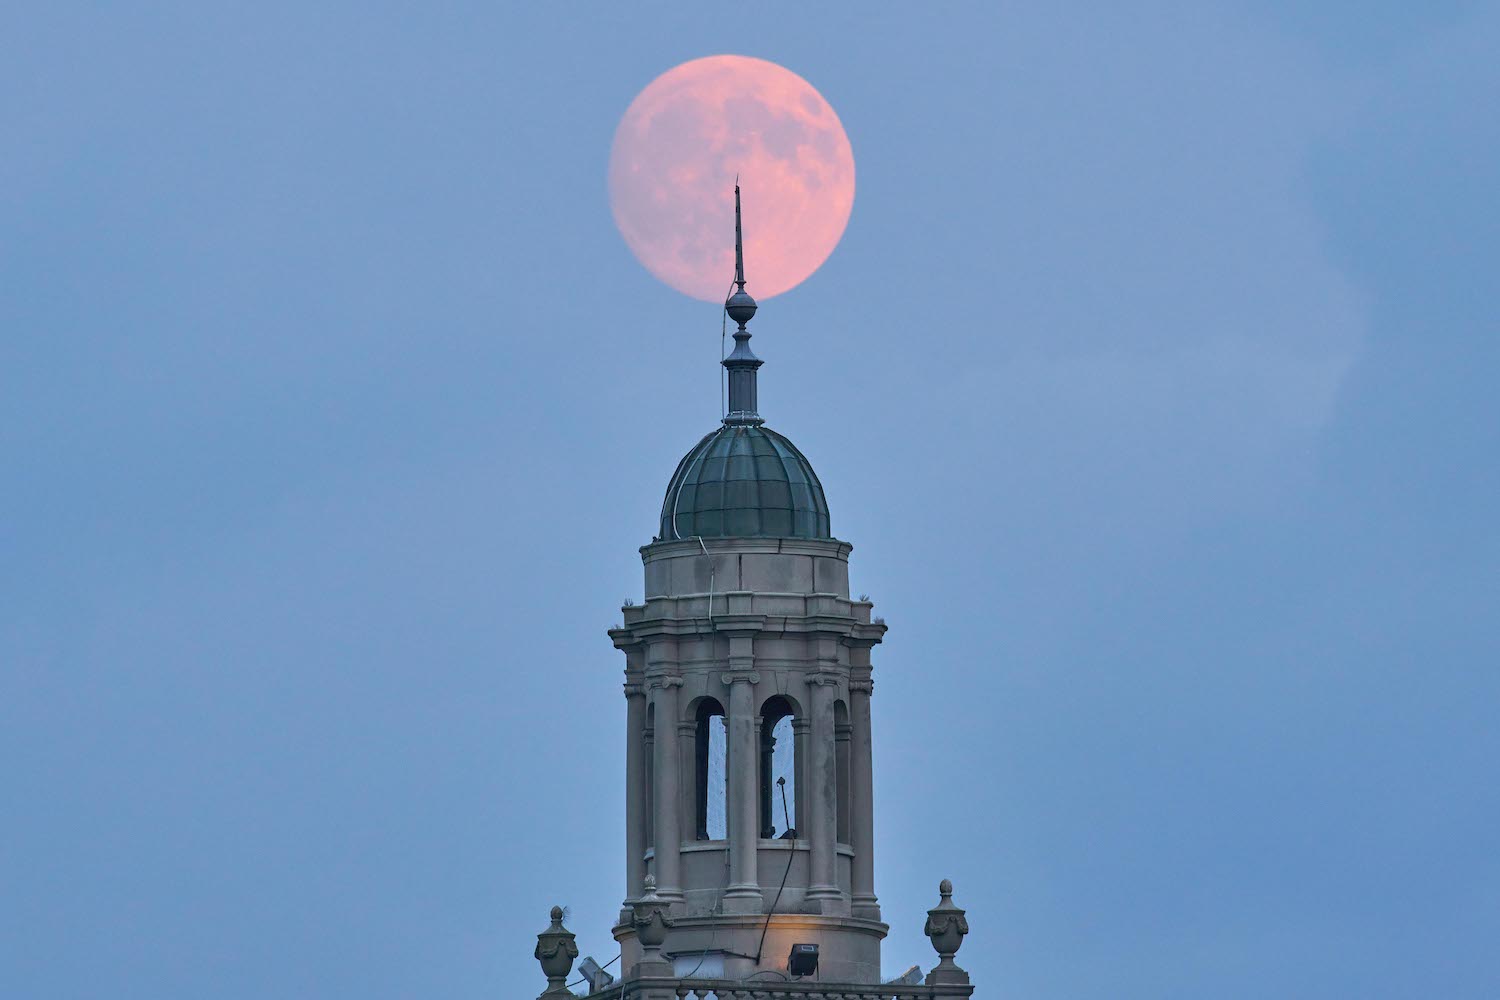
744 481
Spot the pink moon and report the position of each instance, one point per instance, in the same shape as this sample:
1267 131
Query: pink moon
673 164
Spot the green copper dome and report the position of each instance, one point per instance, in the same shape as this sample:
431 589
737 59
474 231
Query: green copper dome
744 480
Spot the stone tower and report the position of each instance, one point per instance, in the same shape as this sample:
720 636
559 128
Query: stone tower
749 823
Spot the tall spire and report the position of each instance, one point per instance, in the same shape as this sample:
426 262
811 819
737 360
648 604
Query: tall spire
742 361
739 242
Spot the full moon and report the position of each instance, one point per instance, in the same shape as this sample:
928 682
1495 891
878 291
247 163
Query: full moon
673 165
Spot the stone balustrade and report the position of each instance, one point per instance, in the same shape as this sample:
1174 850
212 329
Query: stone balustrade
714 989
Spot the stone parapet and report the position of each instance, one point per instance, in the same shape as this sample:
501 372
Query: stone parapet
753 610
763 565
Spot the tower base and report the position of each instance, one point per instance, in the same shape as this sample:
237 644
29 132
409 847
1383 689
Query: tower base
724 946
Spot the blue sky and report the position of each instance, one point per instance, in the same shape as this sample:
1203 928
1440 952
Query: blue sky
1151 381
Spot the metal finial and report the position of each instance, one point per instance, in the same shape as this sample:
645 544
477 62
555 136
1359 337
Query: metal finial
740 306
742 361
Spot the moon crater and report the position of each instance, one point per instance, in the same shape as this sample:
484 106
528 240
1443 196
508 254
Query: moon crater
673 165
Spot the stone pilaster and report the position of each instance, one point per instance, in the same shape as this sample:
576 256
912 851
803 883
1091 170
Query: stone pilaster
667 796
862 800
822 774
635 788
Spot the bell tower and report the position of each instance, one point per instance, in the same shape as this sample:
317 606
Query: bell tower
749 826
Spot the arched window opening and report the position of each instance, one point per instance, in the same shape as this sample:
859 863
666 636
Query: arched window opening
711 748
778 760
841 734
650 790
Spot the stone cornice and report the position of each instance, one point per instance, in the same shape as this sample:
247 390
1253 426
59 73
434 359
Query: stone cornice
848 631
758 599
624 638
866 635
828 547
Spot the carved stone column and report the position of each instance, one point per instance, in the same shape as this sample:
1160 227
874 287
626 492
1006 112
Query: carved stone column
635 788
667 796
822 777
743 894
862 800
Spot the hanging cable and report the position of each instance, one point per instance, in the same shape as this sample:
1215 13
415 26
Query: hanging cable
723 372
791 855
714 933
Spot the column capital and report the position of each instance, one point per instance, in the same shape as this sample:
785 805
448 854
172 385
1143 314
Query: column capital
655 681
824 678
865 686
740 676
635 689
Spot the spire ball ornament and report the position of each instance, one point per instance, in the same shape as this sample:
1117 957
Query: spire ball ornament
740 307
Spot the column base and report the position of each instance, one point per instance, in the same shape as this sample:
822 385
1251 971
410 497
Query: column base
867 907
828 900
743 899
655 981
657 969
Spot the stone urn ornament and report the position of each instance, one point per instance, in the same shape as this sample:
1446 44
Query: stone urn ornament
556 951
651 924
946 927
